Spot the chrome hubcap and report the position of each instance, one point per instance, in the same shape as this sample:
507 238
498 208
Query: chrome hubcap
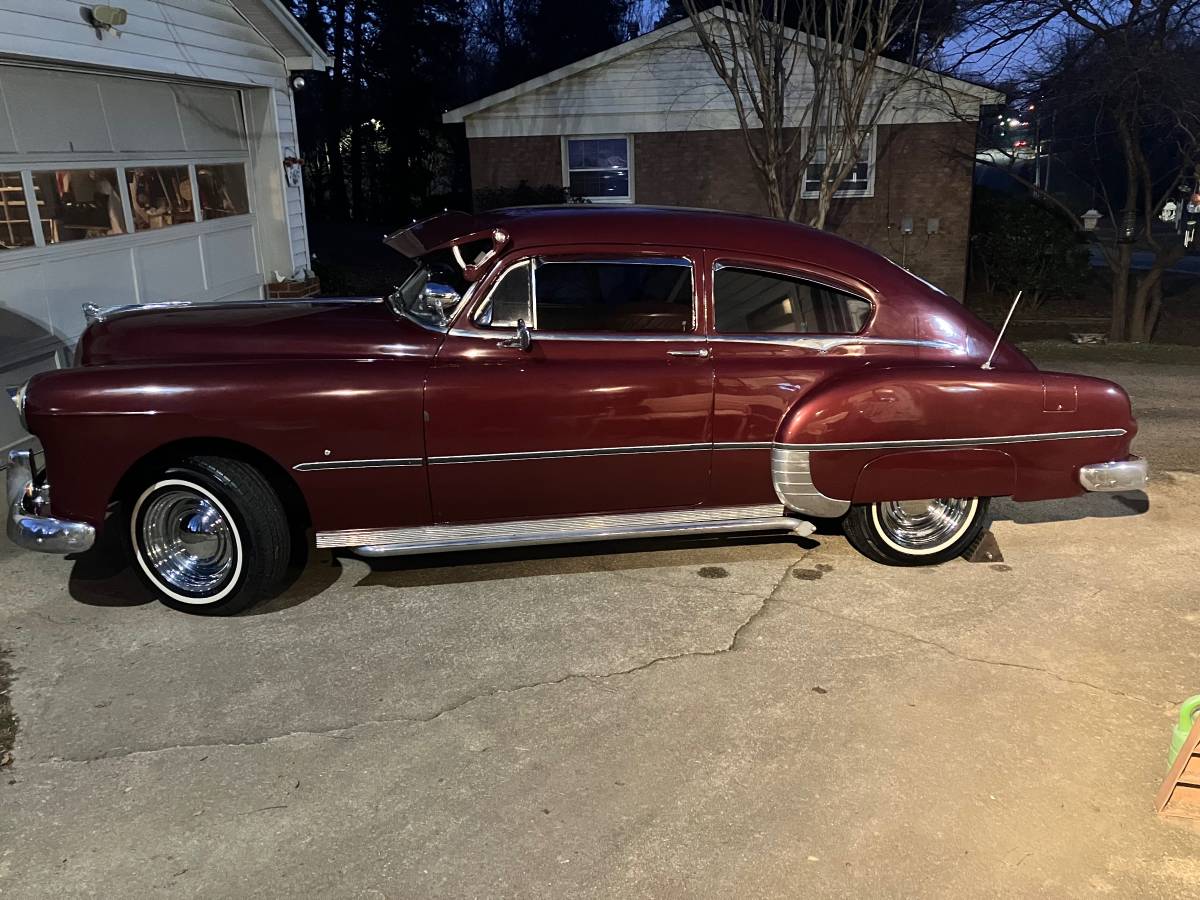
917 525
187 542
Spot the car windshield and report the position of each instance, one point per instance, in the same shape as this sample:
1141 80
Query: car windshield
438 268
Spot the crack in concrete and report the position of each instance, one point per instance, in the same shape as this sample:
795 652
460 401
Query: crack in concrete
730 647
998 663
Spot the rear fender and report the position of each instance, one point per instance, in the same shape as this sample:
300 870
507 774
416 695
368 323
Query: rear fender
906 433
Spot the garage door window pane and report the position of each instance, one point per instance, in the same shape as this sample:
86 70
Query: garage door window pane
748 301
160 196
77 204
15 228
223 191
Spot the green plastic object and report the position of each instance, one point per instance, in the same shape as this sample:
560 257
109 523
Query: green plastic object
1187 717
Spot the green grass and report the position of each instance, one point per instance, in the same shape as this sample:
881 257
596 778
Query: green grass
1157 354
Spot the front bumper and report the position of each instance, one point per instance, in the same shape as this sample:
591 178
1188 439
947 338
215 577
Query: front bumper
1122 475
26 527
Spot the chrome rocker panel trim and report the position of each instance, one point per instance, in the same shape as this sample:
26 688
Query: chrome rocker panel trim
573 529
32 532
1120 475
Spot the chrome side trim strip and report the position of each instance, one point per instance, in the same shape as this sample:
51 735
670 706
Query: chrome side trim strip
792 476
567 454
439 538
825 344
744 445
93 313
358 464
960 442
499 334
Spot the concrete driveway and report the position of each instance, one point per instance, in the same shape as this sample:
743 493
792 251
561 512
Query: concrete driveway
745 717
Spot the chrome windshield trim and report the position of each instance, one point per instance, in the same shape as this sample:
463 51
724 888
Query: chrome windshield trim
567 454
959 442
327 464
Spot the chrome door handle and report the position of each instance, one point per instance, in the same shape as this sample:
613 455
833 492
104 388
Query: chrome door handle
703 354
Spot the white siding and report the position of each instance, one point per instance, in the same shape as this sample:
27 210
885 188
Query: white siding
205 39
289 140
670 85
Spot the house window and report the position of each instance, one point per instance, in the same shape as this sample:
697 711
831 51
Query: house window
223 191
76 204
15 228
599 169
160 196
859 183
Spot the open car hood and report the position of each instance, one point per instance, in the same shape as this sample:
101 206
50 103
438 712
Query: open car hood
450 231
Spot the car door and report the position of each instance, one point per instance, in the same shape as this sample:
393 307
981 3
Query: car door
776 329
609 408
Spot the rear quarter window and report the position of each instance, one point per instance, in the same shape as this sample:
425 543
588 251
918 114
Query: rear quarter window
753 301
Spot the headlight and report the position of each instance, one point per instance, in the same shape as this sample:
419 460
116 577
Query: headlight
19 400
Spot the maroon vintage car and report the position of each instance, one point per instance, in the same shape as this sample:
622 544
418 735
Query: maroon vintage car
552 375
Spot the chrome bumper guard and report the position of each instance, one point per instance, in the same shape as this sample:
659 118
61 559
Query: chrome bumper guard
28 529
1122 475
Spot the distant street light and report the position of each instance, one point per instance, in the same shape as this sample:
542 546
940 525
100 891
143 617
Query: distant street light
1090 218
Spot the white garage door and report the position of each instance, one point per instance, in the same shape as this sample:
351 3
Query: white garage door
115 190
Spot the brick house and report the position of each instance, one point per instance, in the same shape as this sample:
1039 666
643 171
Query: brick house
649 122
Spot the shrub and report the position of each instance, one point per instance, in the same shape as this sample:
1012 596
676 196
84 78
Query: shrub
1020 243
524 194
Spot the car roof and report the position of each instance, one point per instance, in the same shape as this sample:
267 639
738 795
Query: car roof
729 232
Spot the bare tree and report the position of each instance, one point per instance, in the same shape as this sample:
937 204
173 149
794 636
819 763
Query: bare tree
809 81
1121 84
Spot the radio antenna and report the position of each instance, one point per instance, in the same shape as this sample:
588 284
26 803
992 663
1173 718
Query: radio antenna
1003 328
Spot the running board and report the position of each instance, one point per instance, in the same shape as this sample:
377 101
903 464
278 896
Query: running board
575 529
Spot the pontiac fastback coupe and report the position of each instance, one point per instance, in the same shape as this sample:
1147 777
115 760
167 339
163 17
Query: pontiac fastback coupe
553 375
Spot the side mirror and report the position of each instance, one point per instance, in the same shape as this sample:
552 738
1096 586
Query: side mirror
523 340
440 299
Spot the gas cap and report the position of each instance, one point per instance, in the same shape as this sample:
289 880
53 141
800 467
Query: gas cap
1059 395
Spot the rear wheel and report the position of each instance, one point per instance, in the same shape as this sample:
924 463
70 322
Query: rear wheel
209 536
916 532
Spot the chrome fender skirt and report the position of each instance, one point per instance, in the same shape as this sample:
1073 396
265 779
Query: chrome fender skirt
794 487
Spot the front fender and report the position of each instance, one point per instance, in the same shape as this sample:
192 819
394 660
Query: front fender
97 423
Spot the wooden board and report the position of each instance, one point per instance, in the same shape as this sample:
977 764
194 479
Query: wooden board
1179 796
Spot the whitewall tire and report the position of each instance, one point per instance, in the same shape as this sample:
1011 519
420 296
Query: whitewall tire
208 535
916 532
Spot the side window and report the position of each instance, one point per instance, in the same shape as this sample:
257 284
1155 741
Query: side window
509 300
750 301
614 296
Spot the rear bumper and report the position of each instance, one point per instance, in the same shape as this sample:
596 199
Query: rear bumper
26 528
1121 475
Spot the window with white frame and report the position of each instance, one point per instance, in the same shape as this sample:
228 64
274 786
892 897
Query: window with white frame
860 182
599 169
63 205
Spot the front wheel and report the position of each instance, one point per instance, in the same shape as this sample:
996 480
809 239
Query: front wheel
209 536
916 532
